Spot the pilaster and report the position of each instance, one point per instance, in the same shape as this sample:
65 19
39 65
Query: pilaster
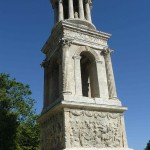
110 76
65 44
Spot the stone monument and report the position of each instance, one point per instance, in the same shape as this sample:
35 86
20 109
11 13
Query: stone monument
81 109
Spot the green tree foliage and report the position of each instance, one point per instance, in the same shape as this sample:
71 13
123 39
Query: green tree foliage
148 146
19 129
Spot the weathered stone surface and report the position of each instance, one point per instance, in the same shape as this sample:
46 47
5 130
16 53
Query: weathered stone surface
52 132
63 128
94 129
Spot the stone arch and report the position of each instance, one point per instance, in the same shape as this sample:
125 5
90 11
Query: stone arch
93 55
87 68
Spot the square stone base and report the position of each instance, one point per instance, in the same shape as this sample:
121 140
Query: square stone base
65 128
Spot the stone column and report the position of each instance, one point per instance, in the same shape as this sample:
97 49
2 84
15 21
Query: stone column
65 69
60 10
71 9
102 80
55 14
78 84
81 9
110 74
88 10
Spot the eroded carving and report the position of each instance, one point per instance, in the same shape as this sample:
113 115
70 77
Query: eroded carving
66 42
106 51
80 36
95 129
52 136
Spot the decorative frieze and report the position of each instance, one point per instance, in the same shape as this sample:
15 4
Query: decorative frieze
79 36
94 129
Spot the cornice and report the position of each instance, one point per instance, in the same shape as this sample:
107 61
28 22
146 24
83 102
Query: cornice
79 35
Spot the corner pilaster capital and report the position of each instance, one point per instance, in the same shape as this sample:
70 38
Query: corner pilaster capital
45 64
106 51
66 42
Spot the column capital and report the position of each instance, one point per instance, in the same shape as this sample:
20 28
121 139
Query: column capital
106 51
66 42
45 64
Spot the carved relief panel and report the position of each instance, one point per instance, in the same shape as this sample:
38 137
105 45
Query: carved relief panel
52 133
94 129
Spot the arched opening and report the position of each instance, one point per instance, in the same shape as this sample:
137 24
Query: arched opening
85 76
89 78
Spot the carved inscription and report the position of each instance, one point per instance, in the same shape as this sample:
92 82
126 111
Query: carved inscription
52 133
95 129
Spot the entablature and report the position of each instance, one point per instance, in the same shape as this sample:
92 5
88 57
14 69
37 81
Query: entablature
79 35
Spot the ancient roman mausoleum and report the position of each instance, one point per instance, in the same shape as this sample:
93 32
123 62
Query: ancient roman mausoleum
81 109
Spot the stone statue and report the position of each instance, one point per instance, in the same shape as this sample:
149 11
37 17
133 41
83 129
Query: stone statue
76 15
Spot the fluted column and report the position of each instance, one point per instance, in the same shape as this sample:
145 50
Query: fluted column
110 74
60 10
88 10
66 89
81 9
71 9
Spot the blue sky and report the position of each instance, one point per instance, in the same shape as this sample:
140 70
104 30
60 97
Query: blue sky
26 24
